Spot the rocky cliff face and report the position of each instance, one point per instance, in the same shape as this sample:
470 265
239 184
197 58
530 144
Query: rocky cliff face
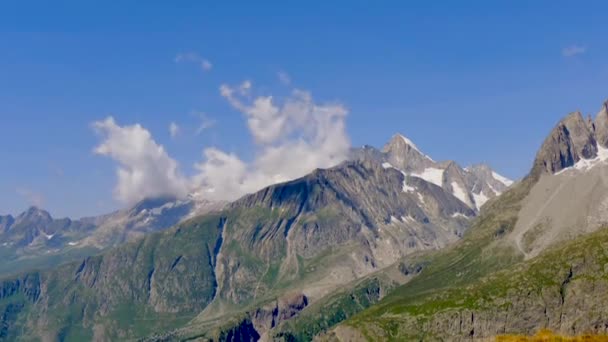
601 126
573 139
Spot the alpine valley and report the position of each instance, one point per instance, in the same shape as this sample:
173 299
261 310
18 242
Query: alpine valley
387 245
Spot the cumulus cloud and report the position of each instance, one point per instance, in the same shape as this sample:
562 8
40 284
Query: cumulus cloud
173 129
193 57
292 136
144 167
33 198
573 50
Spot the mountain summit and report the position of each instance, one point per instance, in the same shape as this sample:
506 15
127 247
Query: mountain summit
473 185
574 140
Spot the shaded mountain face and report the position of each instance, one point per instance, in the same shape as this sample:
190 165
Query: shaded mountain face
473 185
301 239
34 239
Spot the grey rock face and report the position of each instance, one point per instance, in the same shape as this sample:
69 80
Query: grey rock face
601 126
280 310
570 141
404 155
472 185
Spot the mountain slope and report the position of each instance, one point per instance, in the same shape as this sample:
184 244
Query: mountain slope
539 268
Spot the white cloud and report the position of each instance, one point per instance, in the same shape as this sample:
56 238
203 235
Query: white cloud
284 78
145 169
292 138
173 129
573 50
33 198
193 57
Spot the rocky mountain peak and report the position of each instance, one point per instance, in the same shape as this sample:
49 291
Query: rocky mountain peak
399 140
570 141
405 155
34 213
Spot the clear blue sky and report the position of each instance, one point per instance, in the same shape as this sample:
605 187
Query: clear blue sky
475 81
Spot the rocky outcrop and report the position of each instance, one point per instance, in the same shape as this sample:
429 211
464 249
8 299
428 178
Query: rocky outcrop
570 141
601 126
271 315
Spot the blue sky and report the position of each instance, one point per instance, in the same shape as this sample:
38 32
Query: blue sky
473 82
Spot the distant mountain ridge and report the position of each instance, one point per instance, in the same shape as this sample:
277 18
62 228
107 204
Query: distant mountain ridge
35 239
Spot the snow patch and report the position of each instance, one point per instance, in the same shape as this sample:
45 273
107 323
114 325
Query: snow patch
504 180
459 193
72 243
394 219
480 199
432 175
459 215
587 164
387 165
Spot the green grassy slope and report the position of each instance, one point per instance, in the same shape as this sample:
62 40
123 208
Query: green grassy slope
563 289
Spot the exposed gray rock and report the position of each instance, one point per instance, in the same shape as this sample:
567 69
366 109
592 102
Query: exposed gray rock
570 141
404 155
472 185
601 126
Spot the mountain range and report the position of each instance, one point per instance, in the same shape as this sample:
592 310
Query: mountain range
34 239
278 250
388 245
